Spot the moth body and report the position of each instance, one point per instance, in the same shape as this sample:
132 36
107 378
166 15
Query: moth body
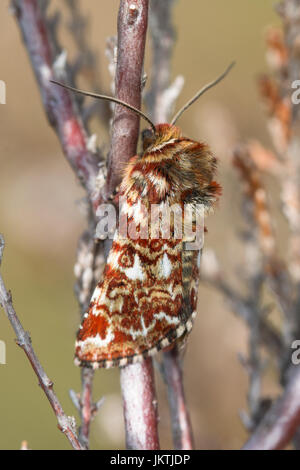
146 299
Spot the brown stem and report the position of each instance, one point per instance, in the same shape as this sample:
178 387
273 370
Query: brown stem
181 423
88 268
132 30
140 406
281 422
59 104
65 117
137 381
86 406
65 423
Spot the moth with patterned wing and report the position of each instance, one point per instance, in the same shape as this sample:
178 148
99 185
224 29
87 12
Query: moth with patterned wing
146 300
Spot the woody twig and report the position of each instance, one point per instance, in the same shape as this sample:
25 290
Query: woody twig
286 75
65 423
259 248
63 112
86 62
163 94
140 406
84 404
88 270
49 63
132 29
137 381
281 422
172 370
65 115
273 426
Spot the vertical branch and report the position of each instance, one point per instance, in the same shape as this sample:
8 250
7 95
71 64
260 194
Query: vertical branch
281 422
137 381
140 406
289 11
86 408
88 270
181 423
132 29
259 248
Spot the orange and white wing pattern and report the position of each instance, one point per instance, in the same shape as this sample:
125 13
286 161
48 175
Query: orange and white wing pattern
147 298
135 310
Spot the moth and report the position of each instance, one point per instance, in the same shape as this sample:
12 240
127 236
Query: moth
146 300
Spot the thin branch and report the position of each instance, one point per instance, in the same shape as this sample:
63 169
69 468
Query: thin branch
132 29
181 423
85 62
242 307
260 231
259 243
162 95
86 59
88 270
137 381
60 105
281 422
259 248
65 116
86 406
65 423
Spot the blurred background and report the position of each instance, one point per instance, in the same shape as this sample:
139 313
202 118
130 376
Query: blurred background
41 218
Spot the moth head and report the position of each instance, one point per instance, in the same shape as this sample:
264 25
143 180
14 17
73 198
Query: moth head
148 138
164 133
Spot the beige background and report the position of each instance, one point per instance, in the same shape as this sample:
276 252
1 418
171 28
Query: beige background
41 219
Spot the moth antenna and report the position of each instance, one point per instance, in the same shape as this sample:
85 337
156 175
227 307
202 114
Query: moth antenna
201 92
107 98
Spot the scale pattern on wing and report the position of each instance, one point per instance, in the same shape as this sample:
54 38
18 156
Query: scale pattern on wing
135 311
